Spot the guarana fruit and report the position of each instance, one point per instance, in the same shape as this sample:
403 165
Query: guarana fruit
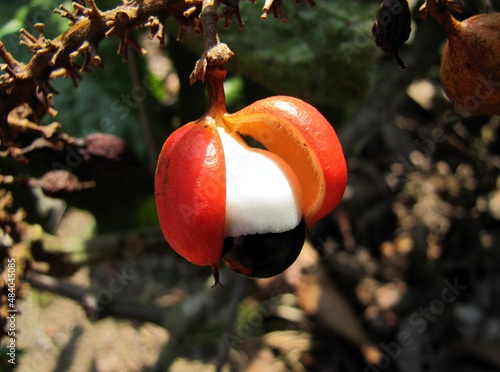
470 62
218 198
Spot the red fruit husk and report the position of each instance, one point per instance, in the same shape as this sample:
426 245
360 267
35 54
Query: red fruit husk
190 193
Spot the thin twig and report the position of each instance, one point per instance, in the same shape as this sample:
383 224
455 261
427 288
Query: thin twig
193 313
67 254
215 53
143 113
237 295
89 302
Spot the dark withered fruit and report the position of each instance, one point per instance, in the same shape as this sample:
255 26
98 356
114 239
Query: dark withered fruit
470 60
392 27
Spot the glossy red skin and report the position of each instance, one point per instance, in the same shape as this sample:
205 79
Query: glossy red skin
190 192
306 124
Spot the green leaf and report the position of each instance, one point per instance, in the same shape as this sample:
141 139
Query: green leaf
323 54
90 108
12 25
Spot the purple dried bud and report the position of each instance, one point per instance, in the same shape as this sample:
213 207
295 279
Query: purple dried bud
61 184
108 153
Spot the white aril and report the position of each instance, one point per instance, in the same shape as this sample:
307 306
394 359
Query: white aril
262 192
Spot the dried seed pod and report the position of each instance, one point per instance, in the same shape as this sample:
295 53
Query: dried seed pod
470 61
392 27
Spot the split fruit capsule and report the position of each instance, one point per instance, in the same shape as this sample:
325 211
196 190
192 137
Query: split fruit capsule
244 187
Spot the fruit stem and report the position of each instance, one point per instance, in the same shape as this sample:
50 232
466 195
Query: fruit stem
214 80
215 273
439 10
216 53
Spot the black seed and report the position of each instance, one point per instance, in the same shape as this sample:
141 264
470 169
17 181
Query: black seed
264 255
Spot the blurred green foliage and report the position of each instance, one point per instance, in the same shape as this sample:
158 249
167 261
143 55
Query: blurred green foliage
322 55
106 100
